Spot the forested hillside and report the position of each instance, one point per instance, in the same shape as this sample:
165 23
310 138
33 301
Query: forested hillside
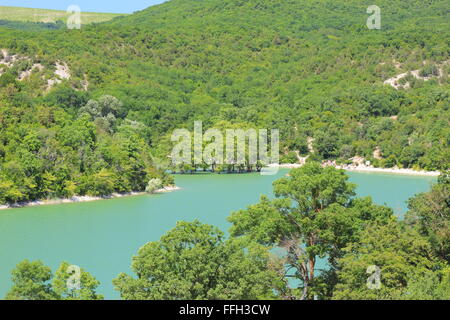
88 111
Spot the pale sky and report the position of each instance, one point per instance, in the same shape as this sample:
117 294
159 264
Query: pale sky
113 6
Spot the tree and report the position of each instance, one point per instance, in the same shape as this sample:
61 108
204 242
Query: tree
153 185
92 108
85 290
33 281
433 285
310 204
103 111
430 213
7 79
9 193
400 254
100 184
326 144
109 105
67 98
194 261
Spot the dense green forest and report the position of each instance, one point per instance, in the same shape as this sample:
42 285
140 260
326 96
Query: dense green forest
91 111
274 248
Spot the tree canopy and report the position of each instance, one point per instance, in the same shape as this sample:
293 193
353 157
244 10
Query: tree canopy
194 261
313 216
35 281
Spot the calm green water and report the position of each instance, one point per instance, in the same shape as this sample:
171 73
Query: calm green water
102 236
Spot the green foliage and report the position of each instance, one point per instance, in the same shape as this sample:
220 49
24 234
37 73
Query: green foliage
430 286
430 213
67 98
265 64
33 281
291 157
194 261
153 185
87 285
7 79
51 152
32 26
400 254
310 69
313 216
429 70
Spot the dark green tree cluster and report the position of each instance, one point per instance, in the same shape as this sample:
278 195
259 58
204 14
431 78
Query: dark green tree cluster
65 144
313 217
194 261
35 281
429 213
32 26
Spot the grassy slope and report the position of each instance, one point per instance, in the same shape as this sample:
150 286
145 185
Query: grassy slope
46 15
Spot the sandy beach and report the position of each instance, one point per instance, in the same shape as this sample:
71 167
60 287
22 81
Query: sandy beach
84 198
364 168
391 170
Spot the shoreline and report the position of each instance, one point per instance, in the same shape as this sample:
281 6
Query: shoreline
363 168
76 199
360 168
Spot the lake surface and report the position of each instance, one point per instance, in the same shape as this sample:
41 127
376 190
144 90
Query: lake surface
102 236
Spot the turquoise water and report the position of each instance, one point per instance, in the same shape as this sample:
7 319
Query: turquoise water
102 236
